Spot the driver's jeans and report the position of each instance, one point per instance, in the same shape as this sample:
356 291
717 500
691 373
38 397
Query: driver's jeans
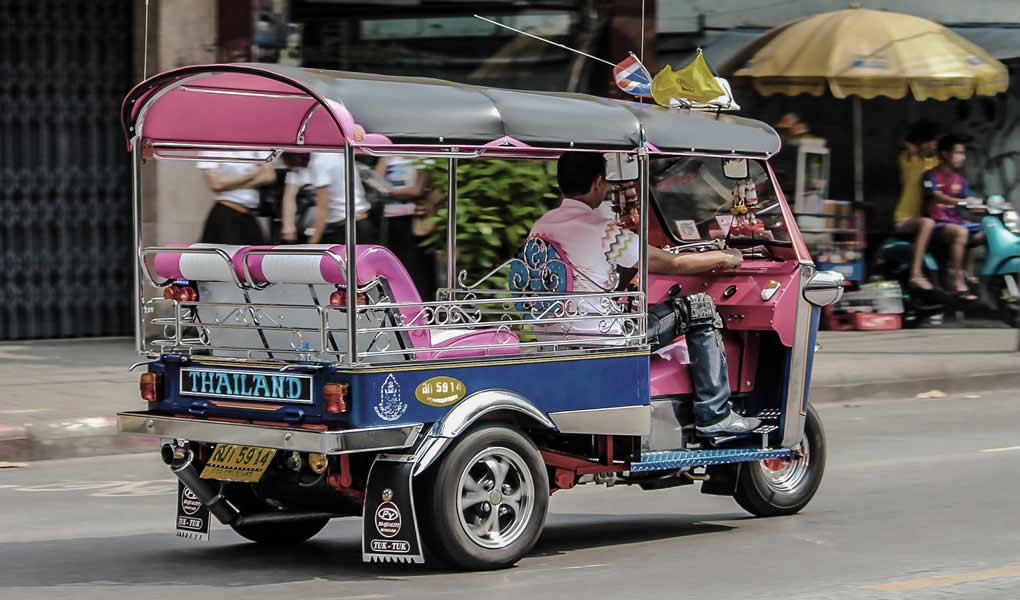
709 374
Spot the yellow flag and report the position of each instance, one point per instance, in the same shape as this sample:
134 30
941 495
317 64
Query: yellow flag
693 82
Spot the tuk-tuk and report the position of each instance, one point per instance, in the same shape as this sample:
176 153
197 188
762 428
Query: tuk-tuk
285 395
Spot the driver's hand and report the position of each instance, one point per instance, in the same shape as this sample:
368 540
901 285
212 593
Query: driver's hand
734 258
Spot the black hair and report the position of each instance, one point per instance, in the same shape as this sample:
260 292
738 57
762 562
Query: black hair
948 142
576 171
922 131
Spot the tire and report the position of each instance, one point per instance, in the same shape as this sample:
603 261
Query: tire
771 488
458 528
1007 306
281 534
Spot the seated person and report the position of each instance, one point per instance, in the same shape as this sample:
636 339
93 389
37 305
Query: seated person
596 246
917 157
943 189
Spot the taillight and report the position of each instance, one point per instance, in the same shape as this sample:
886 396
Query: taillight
339 297
336 397
181 292
148 385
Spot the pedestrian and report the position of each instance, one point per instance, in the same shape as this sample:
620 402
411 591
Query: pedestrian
232 218
916 158
325 172
411 202
944 187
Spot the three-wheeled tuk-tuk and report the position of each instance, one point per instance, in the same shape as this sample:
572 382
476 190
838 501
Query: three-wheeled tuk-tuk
294 384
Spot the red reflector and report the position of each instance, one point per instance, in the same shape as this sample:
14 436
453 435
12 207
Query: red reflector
148 385
339 298
180 293
334 396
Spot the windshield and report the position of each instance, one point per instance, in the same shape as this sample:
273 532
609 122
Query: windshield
696 201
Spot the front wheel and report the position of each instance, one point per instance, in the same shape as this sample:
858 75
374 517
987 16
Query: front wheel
488 499
783 486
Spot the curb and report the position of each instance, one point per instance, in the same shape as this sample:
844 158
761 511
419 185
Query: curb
90 436
834 393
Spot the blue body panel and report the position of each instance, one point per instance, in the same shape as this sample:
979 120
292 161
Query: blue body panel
385 397
816 315
552 385
1003 248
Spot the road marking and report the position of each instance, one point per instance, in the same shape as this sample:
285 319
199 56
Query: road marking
587 566
1006 449
946 580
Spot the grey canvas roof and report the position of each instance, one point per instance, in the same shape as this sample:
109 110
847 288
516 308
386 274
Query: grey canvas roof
431 112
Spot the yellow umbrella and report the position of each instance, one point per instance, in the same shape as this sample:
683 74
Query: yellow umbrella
867 53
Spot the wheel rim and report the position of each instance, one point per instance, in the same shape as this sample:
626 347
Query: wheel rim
786 474
496 497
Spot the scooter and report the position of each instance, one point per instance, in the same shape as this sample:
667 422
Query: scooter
893 263
999 268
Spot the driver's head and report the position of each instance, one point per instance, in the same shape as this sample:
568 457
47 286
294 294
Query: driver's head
582 176
953 150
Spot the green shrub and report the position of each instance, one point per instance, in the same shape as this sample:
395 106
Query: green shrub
497 202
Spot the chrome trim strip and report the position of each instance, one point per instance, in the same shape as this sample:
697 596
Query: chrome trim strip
617 420
796 386
226 92
304 123
367 439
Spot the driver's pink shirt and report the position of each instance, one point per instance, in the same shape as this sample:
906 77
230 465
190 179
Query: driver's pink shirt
593 244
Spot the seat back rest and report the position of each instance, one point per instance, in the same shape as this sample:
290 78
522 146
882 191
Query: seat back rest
304 267
539 266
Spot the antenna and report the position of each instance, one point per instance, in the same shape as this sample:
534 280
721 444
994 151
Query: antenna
601 60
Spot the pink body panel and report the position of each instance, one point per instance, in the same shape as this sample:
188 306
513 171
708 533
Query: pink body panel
744 313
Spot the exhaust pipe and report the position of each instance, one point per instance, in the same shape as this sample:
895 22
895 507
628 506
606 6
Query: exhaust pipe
180 461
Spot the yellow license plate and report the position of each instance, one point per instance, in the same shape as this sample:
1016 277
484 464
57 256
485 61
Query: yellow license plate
238 463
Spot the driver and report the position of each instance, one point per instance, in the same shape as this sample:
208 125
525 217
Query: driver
596 246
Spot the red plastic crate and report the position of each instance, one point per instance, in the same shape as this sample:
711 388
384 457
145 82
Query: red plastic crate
877 321
837 321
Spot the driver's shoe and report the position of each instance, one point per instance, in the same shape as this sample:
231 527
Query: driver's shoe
730 424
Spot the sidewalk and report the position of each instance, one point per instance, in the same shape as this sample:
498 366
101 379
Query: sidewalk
58 398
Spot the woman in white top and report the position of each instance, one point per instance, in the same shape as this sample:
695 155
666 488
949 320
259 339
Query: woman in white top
324 171
232 219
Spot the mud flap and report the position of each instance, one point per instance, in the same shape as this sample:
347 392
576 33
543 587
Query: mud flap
389 526
192 515
722 479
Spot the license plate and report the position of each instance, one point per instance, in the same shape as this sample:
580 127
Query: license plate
247 385
238 463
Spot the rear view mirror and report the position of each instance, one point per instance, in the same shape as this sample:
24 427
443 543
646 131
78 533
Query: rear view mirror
621 167
735 168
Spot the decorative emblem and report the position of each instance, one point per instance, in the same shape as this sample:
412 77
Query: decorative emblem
359 134
440 391
190 502
387 519
390 408
387 495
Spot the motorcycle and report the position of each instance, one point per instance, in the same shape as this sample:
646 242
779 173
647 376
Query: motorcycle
997 266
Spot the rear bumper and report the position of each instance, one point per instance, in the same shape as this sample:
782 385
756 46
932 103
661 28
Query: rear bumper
302 440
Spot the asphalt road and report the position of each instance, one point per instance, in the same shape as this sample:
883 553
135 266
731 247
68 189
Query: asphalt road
918 501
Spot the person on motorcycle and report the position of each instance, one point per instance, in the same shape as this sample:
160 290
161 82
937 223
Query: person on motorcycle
917 157
944 187
596 246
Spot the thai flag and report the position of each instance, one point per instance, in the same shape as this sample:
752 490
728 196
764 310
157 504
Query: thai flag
632 77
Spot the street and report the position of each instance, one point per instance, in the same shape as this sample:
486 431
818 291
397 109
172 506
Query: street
916 503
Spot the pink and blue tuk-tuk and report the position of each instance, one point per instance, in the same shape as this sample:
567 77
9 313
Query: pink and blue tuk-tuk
286 396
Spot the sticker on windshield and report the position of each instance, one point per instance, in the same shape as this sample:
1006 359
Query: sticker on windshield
724 222
687 229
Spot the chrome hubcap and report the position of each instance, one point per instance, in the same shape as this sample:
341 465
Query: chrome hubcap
786 474
496 497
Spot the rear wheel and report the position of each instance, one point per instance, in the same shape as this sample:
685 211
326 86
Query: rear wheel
783 486
1005 303
487 499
